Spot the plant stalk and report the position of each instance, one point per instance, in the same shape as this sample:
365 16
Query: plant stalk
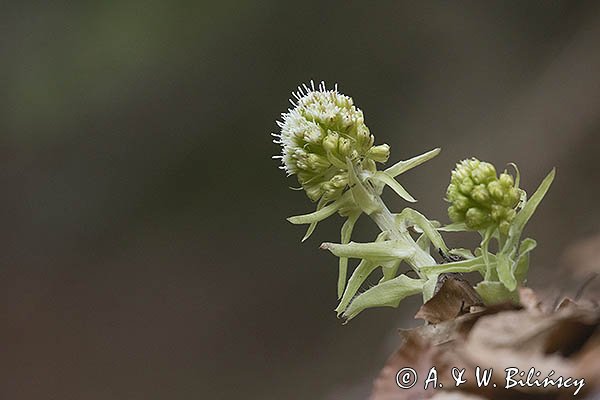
386 222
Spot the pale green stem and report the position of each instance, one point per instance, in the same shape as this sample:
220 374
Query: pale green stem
386 221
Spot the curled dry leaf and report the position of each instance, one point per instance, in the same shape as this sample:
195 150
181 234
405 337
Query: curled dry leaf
454 297
520 330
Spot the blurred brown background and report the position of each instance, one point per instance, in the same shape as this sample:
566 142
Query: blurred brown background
145 252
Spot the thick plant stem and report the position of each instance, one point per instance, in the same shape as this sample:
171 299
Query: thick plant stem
386 221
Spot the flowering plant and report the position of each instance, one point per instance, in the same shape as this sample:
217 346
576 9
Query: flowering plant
327 145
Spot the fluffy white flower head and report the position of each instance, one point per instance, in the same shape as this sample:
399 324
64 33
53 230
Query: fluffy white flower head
319 135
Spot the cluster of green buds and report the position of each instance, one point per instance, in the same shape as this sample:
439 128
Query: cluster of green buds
498 209
479 198
326 144
319 135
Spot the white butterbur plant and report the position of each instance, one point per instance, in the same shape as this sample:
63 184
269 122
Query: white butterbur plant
328 147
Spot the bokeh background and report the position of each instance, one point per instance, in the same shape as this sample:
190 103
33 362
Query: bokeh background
144 249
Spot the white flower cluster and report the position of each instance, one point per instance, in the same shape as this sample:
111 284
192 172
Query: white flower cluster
319 135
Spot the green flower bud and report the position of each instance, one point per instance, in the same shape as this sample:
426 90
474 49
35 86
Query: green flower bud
345 148
466 185
479 198
379 153
506 180
319 134
330 143
477 218
496 190
317 163
480 194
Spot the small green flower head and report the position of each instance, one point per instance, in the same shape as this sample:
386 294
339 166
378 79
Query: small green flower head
479 198
319 134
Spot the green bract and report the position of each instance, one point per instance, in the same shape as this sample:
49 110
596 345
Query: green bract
327 145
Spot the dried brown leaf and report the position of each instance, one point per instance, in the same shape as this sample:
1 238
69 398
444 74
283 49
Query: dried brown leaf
454 298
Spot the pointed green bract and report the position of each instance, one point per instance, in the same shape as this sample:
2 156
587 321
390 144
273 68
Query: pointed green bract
389 269
454 227
321 214
514 233
495 292
463 253
361 273
472 265
387 294
504 266
408 216
345 239
387 250
313 225
403 166
394 185
487 236
361 195
522 267
507 266
423 242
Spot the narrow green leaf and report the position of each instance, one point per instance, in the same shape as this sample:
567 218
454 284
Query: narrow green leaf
423 242
495 292
394 185
455 227
504 266
346 233
360 274
523 216
410 216
387 294
362 196
321 214
389 269
485 242
523 261
389 250
472 265
313 225
534 201
464 253
403 166
527 245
